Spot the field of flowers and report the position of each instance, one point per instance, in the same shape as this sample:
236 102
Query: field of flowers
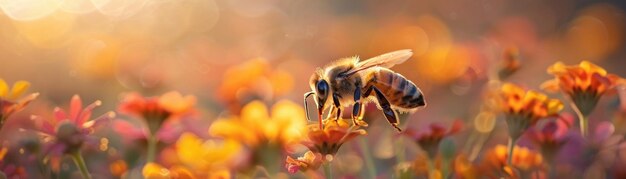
214 89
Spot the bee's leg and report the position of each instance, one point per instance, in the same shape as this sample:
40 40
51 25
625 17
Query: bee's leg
331 112
357 109
390 114
337 105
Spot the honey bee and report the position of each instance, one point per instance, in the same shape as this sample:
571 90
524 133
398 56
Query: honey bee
351 82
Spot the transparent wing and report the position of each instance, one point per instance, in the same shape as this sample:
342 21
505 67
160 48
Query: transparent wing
386 60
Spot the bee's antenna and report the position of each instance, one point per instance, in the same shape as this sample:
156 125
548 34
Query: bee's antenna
306 106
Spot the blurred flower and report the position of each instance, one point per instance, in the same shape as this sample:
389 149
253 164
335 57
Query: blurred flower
510 63
551 137
524 159
329 140
464 168
309 161
523 109
155 110
156 171
207 158
268 136
118 168
11 99
430 137
254 126
584 84
254 79
10 170
66 133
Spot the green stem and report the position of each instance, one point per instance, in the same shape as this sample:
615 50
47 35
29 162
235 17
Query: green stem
369 162
80 163
152 148
584 122
327 170
512 141
400 155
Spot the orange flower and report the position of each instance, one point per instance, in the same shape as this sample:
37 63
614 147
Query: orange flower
11 99
254 79
510 63
155 110
310 161
524 108
534 105
584 83
334 134
524 160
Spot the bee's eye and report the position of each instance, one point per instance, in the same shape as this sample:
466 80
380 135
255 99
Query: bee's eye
322 88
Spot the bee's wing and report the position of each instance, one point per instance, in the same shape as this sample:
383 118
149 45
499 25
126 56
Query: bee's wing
386 60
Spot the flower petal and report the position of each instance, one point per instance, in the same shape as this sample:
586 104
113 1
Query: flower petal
154 170
76 105
18 89
4 88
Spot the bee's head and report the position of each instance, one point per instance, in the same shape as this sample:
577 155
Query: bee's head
321 88
321 91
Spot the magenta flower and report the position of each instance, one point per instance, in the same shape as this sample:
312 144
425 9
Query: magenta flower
551 136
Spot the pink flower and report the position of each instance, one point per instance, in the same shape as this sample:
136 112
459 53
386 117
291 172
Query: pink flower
67 131
429 138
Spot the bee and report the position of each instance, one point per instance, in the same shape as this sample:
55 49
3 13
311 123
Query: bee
351 82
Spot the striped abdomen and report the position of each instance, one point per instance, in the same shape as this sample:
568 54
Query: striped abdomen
399 91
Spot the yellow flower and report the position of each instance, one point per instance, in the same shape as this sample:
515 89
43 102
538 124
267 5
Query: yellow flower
11 99
255 126
583 83
329 140
206 157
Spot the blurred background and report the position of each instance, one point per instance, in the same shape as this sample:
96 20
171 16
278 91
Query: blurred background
228 53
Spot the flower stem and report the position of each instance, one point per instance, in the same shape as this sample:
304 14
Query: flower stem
327 170
584 123
431 168
3 118
80 163
512 141
152 147
369 163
